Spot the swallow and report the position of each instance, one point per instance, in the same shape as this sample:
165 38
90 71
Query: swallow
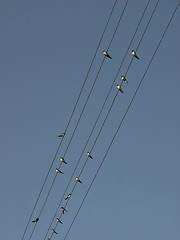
124 79
61 135
63 210
89 155
36 220
119 88
58 220
69 195
53 231
78 180
62 160
58 171
134 54
106 54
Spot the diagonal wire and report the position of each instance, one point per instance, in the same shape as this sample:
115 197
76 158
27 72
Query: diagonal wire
102 125
81 114
70 118
95 123
122 119
142 36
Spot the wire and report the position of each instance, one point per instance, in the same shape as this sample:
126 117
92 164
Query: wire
70 118
101 126
96 122
142 36
122 119
81 114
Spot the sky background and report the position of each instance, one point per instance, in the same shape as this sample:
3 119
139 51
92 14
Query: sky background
46 50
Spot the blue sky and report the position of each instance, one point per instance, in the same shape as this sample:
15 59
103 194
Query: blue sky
46 49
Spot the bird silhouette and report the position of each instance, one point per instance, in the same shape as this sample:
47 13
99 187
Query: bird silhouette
78 180
62 160
53 231
69 195
58 171
61 135
89 155
58 220
124 79
36 220
63 210
106 54
134 54
119 88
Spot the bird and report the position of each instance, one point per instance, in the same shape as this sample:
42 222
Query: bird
61 135
89 155
119 88
58 220
36 220
62 160
58 171
48 238
78 180
53 231
106 54
63 210
124 79
134 54
69 195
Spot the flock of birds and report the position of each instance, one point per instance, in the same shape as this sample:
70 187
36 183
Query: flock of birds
88 153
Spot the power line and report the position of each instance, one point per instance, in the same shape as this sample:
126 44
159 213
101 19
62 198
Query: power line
96 120
81 115
122 120
105 117
70 118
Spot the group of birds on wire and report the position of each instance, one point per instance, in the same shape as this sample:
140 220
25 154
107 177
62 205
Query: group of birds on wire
88 153
58 171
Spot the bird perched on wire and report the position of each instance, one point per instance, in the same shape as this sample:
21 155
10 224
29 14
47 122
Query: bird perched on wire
89 155
119 88
106 54
62 160
53 231
69 195
78 180
134 54
58 171
61 135
124 79
58 220
36 220
63 210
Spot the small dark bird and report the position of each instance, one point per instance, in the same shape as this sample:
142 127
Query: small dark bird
106 54
58 171
62 160
78 180
134 54
58 220
89 155
53 231
63 210
61 135
69 195
124 79
119 88
36 220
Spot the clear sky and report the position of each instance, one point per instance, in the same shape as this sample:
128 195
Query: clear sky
46 50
